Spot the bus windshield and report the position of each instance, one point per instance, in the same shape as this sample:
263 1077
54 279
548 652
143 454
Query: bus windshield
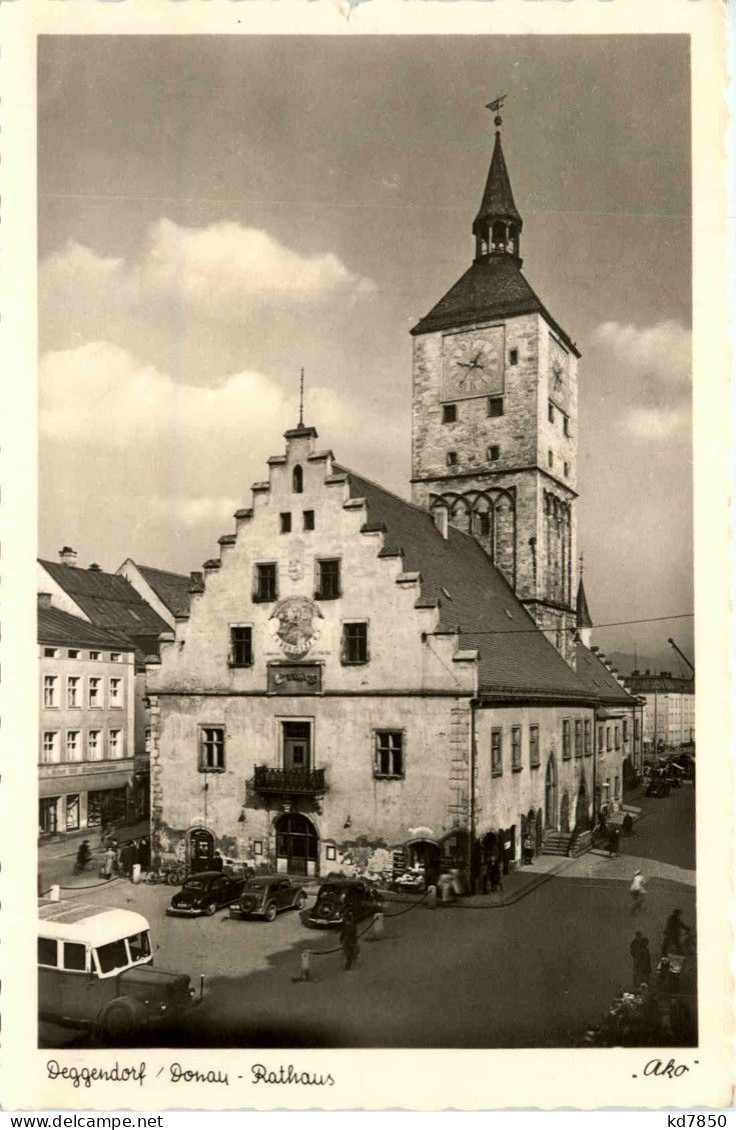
112 956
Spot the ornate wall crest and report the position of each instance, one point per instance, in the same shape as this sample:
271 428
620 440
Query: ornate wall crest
295 625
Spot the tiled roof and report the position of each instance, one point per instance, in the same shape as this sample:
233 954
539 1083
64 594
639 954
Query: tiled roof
109 600
57 627
172 589
663 683
493 287
516 659
598 679
498 199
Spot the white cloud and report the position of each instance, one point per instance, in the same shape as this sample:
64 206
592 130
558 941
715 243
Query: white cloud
656 423
195 511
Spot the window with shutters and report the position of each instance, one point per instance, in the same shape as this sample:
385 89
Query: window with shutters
534 747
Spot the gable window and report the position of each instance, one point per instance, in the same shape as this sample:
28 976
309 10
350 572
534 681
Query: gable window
94 745
389 753
550 412
534 747
449 413
116 692
495 406
212 749
354 643
49 690
266 586
493 453
578 737
308 519
565 737
95 695
72 691
73 746
285 523
451 459
241 645
516 749
496 753
588 737
114 745
297 480
50 751
328 579
513 357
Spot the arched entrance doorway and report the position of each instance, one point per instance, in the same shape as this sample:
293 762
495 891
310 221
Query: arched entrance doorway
297 844
425 854
201 849
565 813
581 808
550 795
490 849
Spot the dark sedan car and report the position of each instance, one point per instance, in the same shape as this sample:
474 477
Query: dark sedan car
204 893
338 894
266 895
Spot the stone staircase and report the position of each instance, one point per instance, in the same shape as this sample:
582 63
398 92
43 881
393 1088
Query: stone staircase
562 843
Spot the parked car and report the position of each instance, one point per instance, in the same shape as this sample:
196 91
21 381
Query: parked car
95 970
205 892
336 894
265 896
658 786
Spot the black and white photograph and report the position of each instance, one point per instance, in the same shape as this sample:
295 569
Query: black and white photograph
366 612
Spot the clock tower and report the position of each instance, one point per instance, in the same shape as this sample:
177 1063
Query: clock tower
494 416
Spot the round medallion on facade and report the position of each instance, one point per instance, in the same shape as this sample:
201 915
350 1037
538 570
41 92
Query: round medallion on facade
294 623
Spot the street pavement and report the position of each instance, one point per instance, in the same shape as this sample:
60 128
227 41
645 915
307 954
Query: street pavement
535 973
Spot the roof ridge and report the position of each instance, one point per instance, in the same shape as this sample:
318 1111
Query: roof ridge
166 572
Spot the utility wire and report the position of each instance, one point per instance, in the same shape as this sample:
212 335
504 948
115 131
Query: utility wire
536 631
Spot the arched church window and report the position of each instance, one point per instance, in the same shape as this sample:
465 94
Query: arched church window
297 480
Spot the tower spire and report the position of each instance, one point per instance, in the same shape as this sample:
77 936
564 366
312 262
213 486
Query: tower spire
583 618
301 399
497 226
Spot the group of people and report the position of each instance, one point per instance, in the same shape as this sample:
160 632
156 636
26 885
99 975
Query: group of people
119 859
675 940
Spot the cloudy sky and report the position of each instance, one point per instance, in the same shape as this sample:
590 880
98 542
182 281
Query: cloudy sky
215 213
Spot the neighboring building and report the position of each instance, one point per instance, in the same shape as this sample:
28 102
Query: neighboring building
87 694
167 593
669 709
111 603
495 415
343 664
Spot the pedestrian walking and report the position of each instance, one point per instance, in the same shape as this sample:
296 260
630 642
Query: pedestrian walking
108 866
641 959
126 860
217 862
675 932
494 875
349 939
613 838
637 891
528 850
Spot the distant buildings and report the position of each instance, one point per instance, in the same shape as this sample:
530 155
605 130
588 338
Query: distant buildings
669 710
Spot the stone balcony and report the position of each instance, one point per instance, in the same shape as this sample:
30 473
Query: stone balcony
289 782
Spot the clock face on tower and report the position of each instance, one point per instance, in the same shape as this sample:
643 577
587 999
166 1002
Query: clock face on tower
472 363
558 375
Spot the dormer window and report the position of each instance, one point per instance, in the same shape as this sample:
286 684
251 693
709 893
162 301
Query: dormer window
297 480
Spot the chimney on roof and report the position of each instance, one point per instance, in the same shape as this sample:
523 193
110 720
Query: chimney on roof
44 600
67 555
441 520
95 568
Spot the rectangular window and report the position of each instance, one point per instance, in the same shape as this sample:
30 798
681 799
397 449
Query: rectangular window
241 646
389 754
354 643
94 655
308 519
50 652
285 523
266 588
495 406
73 653
47 950
258 847
451 459
328 579
116 657
565 737
516 748
566 469
50 683
626 729
513 357
496 754
493 453
534 747
449 413
550 412
116 692
566 425
637 729
95 692
147 740
94 745
550 459
601 738
73 746
588 737
75 956
578 737
616 787
50 748
114 745
617 733
72 814
609 743
212 749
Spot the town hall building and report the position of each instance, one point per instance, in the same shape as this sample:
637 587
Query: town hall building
360 678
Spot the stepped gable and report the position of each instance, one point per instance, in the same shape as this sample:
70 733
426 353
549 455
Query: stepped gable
172 589
599 680
515 658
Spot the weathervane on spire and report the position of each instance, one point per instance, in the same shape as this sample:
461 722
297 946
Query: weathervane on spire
581 564
301 400
495 107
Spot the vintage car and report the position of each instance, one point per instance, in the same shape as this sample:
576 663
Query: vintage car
95 970
265 896
205 892
337 894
